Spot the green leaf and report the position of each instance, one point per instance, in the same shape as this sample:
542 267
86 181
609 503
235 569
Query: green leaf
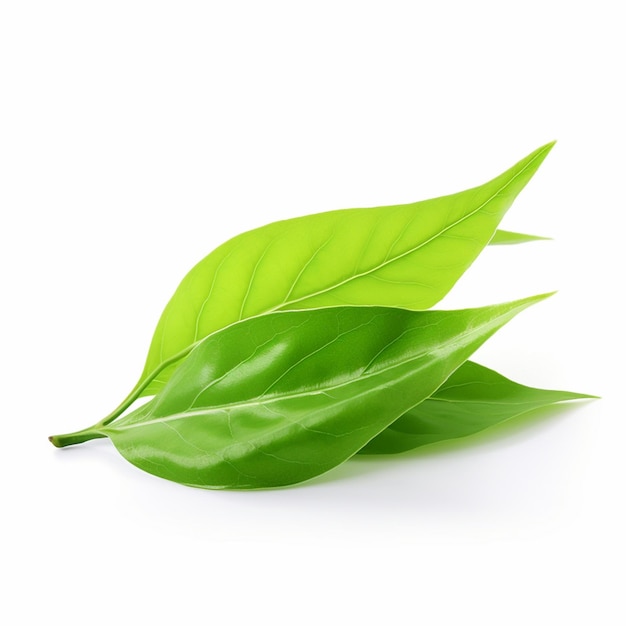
472 399
281 398
406 255
506 237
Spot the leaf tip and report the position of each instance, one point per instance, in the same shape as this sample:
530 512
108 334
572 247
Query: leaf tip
545 149
538 298
534 238
524 303
540 154
517 176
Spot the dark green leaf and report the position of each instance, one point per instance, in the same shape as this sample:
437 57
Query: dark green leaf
281 398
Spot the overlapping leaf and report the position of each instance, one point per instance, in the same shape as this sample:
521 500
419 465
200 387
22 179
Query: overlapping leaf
406 255
281 398
472 399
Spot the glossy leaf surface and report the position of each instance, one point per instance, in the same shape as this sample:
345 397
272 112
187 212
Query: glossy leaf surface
281 398
406 255
472 399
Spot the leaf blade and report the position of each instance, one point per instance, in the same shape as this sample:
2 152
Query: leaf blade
242 410
473 399
404 255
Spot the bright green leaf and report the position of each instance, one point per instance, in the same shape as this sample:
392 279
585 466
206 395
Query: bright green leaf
472 399
406 255
280 398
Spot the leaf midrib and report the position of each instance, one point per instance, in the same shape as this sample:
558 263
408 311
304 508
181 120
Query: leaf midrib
496 403
318 391
412 250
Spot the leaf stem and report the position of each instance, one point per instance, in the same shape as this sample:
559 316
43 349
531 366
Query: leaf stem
86 434
80 436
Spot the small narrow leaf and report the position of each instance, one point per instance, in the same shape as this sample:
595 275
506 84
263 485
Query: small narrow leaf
280 398
472 399
506 238
406 255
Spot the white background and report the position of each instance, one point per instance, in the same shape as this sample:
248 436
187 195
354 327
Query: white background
135 137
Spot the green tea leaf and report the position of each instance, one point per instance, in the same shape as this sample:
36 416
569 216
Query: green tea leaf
405 256
472 399
280 398
506 237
